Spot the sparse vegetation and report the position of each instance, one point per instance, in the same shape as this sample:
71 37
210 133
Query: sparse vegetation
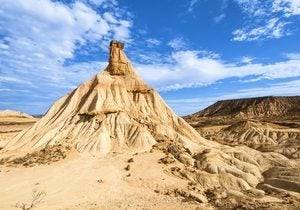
37 198
47 155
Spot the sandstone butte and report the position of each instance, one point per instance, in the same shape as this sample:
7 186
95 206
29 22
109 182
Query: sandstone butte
116 112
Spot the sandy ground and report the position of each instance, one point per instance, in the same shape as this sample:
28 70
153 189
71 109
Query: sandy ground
86 182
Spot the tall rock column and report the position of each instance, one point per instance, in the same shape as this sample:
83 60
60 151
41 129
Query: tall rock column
118 62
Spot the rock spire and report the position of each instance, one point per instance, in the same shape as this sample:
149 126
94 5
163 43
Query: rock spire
118 62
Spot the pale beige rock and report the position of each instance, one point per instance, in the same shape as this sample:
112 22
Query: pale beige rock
115 110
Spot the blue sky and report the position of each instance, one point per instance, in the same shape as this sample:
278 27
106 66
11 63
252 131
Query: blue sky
194 52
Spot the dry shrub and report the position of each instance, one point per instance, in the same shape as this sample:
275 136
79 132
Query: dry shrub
47 155
37 198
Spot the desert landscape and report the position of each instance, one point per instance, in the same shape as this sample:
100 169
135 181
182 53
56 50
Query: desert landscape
268 124
114 143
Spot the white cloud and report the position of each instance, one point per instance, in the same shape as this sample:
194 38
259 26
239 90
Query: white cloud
265 19
293 56
192 4
177 43
4 46
247 59
39 36
187 69
122 30
152 42
274 28
289 7
14 80
219 18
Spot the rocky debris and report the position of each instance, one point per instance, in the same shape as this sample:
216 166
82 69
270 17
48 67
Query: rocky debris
127 168
190 196
167 160
100 181
156 191
186 159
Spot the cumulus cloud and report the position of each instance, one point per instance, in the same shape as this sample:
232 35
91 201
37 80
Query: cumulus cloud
189 68
37 45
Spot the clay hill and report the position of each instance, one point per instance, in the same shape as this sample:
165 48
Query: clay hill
261 107
11 123
114 143
114 111
265 123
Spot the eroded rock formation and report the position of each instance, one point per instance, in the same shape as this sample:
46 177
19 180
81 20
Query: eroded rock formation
116 112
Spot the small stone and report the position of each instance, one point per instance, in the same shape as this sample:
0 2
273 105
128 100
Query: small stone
167 160
186 159
127 168
191 183
198 197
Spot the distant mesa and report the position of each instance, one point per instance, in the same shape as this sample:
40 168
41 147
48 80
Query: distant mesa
269 124
269 106
13 113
